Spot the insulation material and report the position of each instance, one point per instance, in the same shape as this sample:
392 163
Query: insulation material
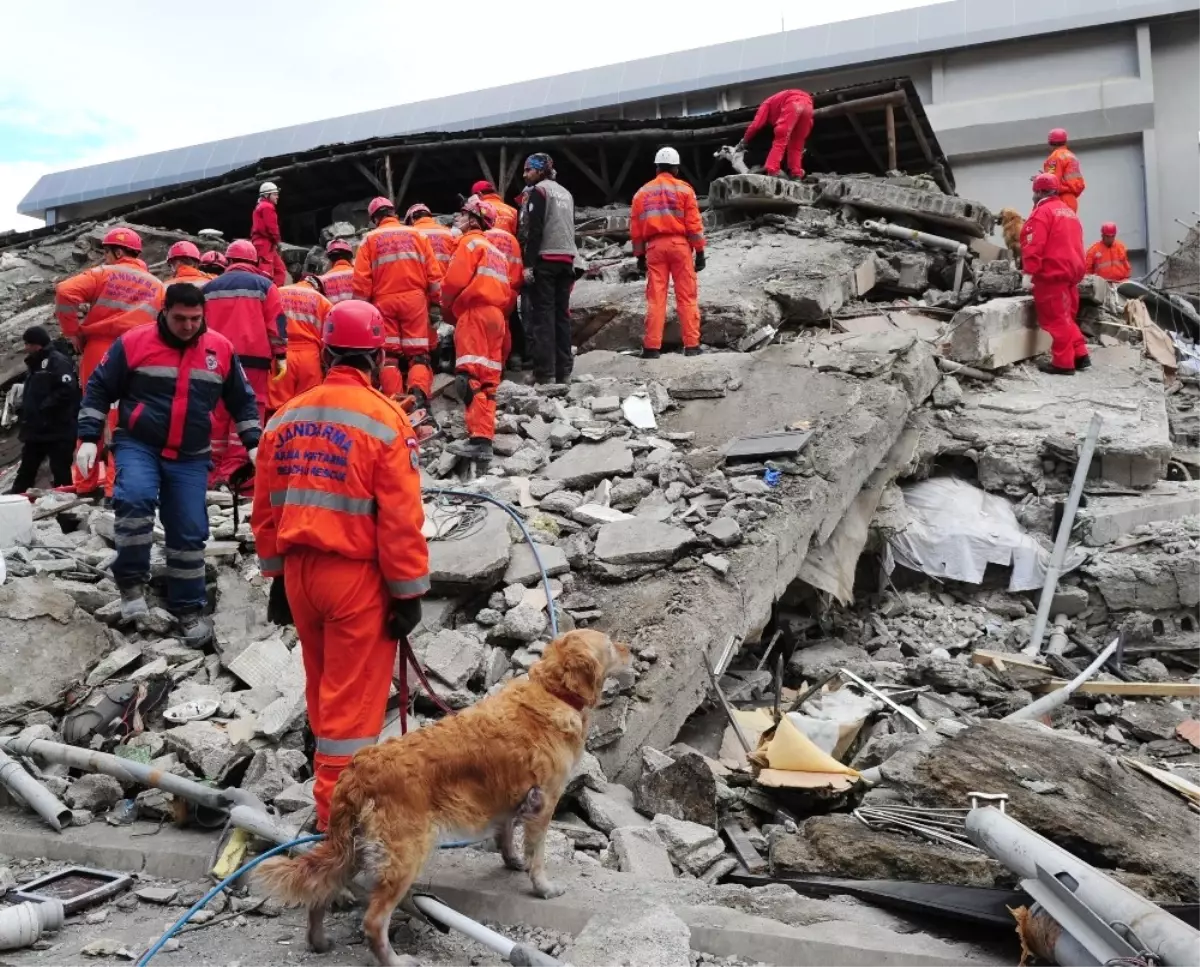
790 750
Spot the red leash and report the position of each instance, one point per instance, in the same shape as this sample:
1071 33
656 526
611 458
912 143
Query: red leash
407 657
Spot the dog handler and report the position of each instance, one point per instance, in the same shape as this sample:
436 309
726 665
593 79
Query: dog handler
337 521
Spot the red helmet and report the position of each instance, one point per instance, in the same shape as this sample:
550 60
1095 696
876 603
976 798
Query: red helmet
481 210
1108 228
183 250
338 245
415 211
124 237
1046 182
1057 136
483 186
355 325
242 250
377 203
213 258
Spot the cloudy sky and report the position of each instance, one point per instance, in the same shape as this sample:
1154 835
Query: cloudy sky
81 84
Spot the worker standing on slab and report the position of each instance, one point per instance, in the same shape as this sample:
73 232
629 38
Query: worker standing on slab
49 409
338 281
306 308
506 215
165 380
247 309
183 262
395 269
514 335
1052 254
121 294
665 227
337 523
475 297
264 233
549 251
1063 164
1108 258
212 264
790 114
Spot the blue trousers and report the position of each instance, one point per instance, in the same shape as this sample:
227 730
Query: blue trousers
145 481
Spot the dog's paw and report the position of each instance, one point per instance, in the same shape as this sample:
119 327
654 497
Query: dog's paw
515 863
548 889
319 945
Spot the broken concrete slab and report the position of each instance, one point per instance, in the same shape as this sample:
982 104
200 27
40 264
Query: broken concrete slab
654 937
452 656
692 847
262 663
759 193
480 561
640 541
609 808
931 208
639 850
686 790
523 568
201 745
587 464
994 334
1108 518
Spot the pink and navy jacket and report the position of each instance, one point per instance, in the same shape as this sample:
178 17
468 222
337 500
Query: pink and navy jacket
166 392
247 309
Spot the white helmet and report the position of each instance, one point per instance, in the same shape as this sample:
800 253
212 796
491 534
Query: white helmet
666 156
268 188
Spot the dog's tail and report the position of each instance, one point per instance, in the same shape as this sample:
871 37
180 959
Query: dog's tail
311 879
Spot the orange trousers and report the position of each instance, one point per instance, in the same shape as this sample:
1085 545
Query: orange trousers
408 334
102 474
340 607
479 337
302 374
791 132
669 258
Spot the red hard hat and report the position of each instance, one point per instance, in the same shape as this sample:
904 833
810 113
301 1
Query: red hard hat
353 324
338 245
481 186
212 258
242 250
1108 228
420 208
1057 136
480 209
377 203
183 250
1046 182
124 237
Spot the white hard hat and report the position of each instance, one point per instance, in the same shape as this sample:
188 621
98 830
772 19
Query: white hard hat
267 188
666 156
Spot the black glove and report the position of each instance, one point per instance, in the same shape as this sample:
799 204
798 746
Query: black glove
700 261
278 610
404 614
641 264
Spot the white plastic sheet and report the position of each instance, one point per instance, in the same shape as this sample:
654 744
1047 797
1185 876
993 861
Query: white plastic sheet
956 530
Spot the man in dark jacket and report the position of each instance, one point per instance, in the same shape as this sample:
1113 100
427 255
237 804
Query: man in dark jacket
49 406
166 380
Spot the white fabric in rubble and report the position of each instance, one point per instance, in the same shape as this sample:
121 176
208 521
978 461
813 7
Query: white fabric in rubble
956 530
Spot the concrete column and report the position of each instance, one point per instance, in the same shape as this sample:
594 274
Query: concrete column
937 78
1145 66
1154 235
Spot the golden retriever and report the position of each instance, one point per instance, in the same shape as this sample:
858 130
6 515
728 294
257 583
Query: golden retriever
504 760
1012 223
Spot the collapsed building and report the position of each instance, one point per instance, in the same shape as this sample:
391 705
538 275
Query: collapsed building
859 481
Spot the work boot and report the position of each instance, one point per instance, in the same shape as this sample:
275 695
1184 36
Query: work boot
1083 362
651 353
133 603
692 350
1047 367
195 630
476 448
515 363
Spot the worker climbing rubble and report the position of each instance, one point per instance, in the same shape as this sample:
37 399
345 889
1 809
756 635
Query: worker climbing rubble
121 295
1108 258
338 280
1052 254
668 240
1063 164
395 269
245 308
305 306
165 379
475 297
506 215
790 114
264 233
183 262
338 529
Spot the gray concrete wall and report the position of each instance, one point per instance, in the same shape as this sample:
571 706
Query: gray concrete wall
1175 50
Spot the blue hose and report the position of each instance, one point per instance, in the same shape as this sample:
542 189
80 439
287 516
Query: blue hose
207 898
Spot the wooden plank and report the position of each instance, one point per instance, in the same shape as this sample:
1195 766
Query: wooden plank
856 124
406 179
890 112
583 166
1011 659
387 171
1131 689
378 185
622 174
503 169
483 166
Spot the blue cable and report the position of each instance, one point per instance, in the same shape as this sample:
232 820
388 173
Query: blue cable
204 900
511 511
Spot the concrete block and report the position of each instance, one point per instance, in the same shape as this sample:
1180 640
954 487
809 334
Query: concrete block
653 937
584 465
759 193
995 334
610 807
640 541
1093 290
450 655
929 207
1109 518
640 851
476 562
523 569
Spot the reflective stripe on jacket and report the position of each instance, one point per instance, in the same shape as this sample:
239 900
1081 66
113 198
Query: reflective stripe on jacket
1110 262
338 282
1062 162
665 206
339 471
441 239
121 296
478 276
508 246
1052 243
306 310
395 259
246 309
506 215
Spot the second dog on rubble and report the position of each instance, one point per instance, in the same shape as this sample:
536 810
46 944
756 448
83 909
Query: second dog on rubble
504 760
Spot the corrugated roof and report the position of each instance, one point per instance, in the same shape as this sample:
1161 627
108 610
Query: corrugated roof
942 26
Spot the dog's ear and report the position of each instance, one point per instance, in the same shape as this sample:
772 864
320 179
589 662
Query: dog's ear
569 666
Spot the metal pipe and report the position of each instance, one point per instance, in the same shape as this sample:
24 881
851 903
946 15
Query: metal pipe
1058 637
908 713
1023 851
40 799
950 366
1048 703
514 953
1054 569
912 235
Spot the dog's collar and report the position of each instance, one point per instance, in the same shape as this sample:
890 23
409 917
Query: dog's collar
577 702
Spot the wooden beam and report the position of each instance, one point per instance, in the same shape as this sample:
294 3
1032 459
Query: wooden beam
406 178
378 185
503 169
387 171
604 165
1144 689
583 166
483 166
511 172
622 174
915 124
857 125
890 111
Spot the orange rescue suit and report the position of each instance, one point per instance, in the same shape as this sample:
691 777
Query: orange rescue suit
396 270
121 296
1063 163
440 238
338 282
475 298
665 226
506 215
306 310
337 512
1110 262
189 275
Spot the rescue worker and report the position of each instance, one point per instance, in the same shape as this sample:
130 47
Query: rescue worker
337 522
441 239
514 336
1063 164
246 308
264 233
1108 258
49 408
183 262
506 215
475 297
212 264
790 114
396 270
166 379
121 295
337 280
665 226
549 251
1052 254
306 308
